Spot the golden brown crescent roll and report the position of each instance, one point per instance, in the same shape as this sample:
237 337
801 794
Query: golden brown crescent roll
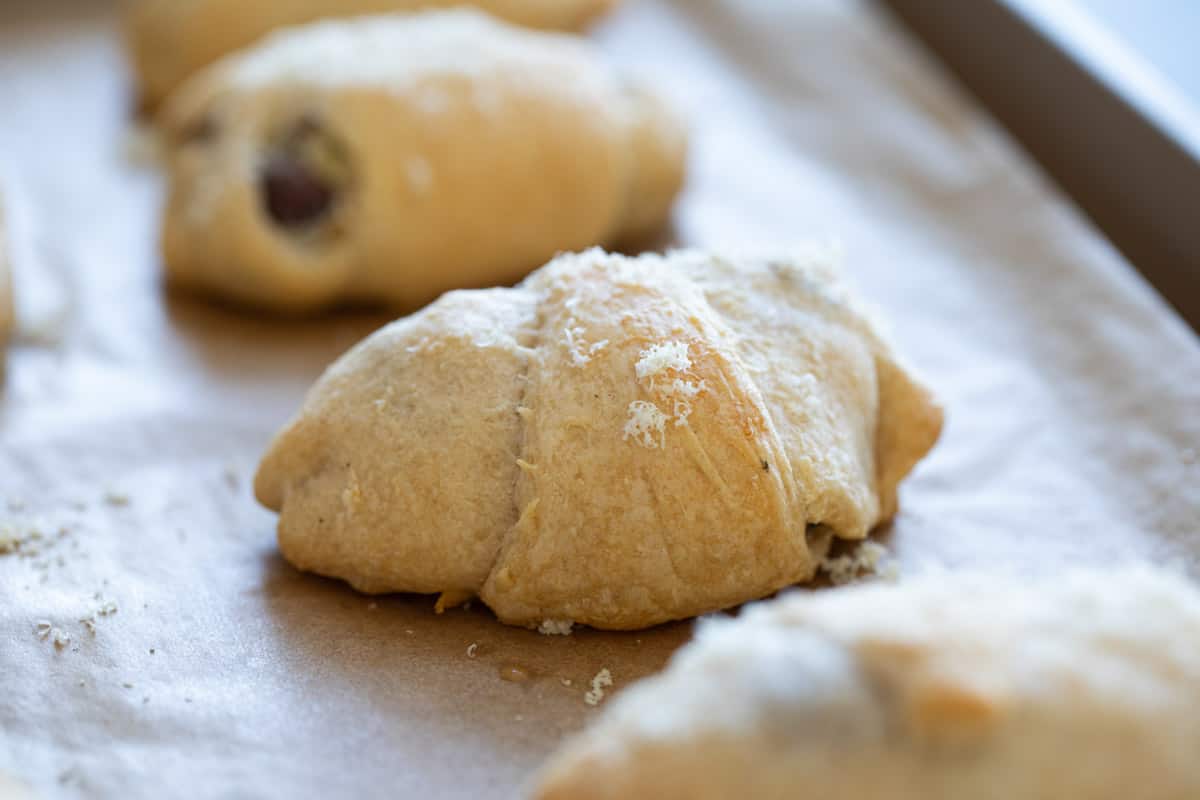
616 441
389 159
1085 685
169 40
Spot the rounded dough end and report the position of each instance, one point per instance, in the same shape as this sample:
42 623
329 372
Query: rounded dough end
397 474
659 146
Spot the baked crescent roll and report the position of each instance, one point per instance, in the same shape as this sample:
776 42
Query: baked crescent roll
616 441
169 40
385 160
1084 685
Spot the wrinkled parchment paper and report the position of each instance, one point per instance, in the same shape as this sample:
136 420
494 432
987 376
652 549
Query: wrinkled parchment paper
132 421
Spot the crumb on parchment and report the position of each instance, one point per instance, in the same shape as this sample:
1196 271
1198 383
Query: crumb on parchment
46 630
556 627
600 683
870 558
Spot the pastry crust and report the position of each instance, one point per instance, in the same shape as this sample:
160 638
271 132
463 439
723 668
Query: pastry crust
169 40
420 153
616 441
1084 686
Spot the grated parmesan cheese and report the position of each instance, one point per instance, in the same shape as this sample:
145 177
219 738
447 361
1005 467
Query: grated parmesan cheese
644 421
580 351
683 410
556 627
682 388
669 356
681 392
661 357
602 681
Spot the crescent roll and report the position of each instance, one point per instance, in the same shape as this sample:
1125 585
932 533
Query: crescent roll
616 441
385 160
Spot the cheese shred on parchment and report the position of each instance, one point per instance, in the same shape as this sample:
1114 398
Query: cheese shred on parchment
602 681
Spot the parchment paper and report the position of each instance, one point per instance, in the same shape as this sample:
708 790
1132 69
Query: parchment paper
132 421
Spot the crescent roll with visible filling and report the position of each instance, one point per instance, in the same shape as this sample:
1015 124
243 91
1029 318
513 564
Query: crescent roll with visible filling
385 160
616 441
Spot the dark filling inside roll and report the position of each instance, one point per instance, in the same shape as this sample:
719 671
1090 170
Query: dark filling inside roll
303 176
293 194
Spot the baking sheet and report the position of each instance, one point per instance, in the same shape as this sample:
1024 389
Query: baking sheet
132 421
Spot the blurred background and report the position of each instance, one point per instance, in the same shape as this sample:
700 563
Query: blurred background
1164 32
1105 94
